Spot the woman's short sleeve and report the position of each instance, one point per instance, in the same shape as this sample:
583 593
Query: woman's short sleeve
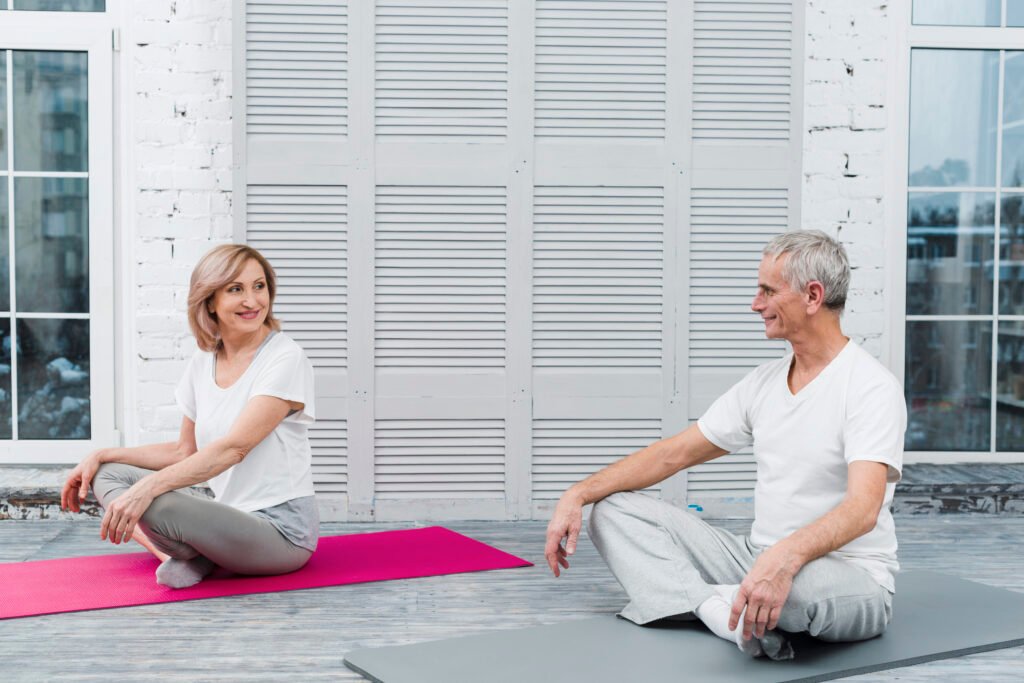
288 376
185 392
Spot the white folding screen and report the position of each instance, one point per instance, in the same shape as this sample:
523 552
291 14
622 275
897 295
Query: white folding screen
518 240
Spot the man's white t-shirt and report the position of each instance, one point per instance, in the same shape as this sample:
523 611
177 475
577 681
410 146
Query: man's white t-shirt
280 467
803 444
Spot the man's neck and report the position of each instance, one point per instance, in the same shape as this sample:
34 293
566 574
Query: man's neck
813 350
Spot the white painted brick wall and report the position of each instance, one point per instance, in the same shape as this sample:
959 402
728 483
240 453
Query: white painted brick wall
844 148
181 100
181 108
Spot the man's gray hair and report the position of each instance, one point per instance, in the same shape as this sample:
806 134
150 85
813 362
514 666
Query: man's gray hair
813 255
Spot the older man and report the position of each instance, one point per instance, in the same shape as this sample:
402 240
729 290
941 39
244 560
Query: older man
826 422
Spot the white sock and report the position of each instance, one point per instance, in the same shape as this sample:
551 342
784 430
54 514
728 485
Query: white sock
183 573
715 613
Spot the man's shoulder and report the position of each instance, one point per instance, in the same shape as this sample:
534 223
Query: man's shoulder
866 370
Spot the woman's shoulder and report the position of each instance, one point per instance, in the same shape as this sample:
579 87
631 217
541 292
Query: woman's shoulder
283 346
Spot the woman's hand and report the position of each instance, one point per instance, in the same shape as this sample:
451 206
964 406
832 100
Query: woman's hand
78 482
125 511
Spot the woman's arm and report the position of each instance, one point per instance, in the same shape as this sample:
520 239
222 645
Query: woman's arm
261 415
152 457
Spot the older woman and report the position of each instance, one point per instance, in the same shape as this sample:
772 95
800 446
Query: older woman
247 399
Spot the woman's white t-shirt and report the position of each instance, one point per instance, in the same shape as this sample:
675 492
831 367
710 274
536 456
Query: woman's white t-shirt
279 468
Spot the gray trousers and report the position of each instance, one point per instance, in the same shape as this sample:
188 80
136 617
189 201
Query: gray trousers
185 525
667 559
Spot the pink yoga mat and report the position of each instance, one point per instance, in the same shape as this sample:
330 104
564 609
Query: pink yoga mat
99 582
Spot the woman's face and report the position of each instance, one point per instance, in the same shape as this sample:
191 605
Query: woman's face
241 306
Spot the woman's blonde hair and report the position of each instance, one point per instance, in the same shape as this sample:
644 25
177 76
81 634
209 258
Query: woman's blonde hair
219 267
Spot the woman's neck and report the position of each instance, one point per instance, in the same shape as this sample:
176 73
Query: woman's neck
242 344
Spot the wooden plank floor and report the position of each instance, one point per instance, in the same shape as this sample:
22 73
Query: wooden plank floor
303 635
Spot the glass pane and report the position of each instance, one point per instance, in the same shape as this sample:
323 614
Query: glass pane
1011 255
956 12
950 250
62 5
947 383
1013 120
5 379
5 242
3 109
53 379
50 111
1015 12
953 116
51 242
1010 387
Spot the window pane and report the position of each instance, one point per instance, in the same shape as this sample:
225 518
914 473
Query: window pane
950 249
953 116
62 5
956 12
53 379
1015 12
5 379
1010 388
1011 255
947 385
1013 120
5 242
50 111
51 234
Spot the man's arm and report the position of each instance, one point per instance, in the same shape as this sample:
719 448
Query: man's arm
767 585
644 468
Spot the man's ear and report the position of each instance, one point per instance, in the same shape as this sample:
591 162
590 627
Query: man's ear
814 294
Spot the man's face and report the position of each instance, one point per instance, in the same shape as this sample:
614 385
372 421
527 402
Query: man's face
783 310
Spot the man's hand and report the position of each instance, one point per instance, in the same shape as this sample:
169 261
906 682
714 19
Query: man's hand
566 521
764 591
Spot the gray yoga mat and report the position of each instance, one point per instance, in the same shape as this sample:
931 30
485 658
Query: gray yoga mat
935 617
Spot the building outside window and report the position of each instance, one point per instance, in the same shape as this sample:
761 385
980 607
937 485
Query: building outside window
56 305
964 347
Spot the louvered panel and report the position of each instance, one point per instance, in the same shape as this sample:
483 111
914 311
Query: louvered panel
442 70
430 458
597 287
567 451
296 74
600 70
732 474
329 441
728 230
742 59
303 232
440 277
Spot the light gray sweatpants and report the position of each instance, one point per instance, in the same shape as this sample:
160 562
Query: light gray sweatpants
667 558
185 525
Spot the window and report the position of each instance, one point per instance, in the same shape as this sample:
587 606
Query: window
56 300
964 346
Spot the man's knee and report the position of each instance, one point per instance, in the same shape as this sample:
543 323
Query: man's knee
842 618
606 510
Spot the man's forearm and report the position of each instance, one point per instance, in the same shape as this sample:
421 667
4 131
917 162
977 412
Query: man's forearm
644 468
841 525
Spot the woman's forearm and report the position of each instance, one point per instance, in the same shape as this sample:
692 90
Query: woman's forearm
197 468
155 456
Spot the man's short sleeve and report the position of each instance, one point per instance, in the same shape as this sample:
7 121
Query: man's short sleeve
727 422
875 423
288 376
185 392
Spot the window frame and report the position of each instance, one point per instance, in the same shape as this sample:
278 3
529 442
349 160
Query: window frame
906 37
89 32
